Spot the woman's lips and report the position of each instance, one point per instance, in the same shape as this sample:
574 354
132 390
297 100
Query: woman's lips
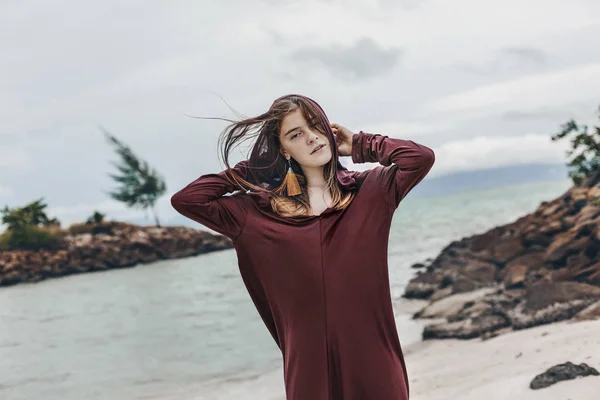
319 148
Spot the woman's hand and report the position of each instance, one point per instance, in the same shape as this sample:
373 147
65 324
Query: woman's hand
343 139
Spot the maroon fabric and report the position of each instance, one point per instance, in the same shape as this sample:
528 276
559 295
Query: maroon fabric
320 283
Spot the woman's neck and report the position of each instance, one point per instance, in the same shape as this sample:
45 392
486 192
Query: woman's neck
314 177
318 195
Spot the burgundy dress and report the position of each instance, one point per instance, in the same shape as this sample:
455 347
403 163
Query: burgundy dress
320 283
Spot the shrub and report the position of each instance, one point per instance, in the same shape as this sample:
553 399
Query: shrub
31 237
106 227
96 218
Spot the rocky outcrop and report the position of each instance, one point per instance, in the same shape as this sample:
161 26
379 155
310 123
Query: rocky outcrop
109 246
543 267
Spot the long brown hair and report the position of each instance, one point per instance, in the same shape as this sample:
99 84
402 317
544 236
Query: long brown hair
267 167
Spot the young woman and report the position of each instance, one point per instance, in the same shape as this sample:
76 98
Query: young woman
311 239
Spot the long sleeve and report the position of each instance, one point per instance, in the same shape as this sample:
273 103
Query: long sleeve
203 201
405 163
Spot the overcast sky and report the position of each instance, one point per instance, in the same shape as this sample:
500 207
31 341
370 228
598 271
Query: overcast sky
484 83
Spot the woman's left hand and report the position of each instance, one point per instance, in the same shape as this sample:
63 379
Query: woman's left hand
343 139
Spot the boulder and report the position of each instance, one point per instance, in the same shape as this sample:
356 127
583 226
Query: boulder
480 271
466 329
532 260
551 228
515 275
484 241
506 249
562 372
423 285
552 302
451 305
560 248
441 293
464 284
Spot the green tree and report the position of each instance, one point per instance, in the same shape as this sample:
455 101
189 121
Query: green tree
29 228
584 151
140 185
32 214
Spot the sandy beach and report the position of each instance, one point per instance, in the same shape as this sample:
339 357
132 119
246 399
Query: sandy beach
497 368
504 366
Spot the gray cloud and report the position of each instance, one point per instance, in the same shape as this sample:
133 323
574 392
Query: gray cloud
518 115
527 54
405 4
279 2
277 38
579 110
364 59
509 60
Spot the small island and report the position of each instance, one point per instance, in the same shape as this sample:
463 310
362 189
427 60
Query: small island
35 247
100 246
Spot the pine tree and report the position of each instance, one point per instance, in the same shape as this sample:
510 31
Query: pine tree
140 185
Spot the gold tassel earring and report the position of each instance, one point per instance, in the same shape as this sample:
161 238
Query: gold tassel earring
292 187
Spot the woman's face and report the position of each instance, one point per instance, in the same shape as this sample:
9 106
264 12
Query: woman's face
299 141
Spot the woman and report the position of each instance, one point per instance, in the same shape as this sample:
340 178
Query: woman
311 239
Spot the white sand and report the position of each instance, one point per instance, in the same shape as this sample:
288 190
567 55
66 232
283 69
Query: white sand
503 367
499 368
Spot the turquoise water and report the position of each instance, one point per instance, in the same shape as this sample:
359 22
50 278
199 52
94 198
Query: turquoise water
160 330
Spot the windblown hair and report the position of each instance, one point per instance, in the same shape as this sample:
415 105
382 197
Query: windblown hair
267 166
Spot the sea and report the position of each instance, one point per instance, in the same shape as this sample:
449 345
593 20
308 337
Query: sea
187 329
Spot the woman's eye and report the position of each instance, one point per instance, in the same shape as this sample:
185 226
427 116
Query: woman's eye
295 134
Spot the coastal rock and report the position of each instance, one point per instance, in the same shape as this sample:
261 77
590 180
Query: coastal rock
562 372
552 302
114 245
506 249
589 274
440 294
468 328
479 271
515 275
562 246
451 305
546 265
423 285
588 313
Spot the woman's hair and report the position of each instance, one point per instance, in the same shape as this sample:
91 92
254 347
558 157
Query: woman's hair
267 166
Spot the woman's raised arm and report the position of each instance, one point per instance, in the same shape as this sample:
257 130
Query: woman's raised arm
204 201
406 162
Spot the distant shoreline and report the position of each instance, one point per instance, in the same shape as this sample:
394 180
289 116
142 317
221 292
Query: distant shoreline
120 245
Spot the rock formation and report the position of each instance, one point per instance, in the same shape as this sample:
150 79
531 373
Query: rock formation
543 267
